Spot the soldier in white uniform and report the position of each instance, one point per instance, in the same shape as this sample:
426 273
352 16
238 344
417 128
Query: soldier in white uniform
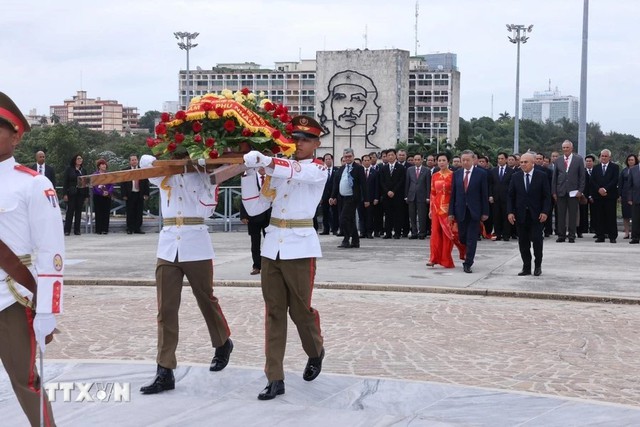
31 263
293 190
185 249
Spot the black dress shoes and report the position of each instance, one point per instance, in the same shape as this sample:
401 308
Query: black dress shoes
221 356
324 233
313 368
344 246
634 241
537 271
273 389
599 240
139 232
560 240
466 268
386 236
163 381
572 240
612 240
524 272
129 232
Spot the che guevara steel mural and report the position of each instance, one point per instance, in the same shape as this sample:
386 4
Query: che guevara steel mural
350 110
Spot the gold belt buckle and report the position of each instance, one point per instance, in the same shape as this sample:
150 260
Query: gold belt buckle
282 223
179 221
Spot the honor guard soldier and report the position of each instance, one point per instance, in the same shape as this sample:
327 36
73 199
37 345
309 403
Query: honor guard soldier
293 190
185 249
31 266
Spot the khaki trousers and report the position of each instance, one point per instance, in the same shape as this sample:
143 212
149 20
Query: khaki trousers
18 354
288 284
169 276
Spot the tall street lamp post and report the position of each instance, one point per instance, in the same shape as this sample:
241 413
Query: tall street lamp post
518 35
186 44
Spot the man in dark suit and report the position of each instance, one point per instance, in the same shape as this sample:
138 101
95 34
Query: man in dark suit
604 190
529 203
634 201
349 187
134 193
417 189
373 198
499 180
587 221
567 186
255 226
469 204
540 165
392 176
44 169
330 218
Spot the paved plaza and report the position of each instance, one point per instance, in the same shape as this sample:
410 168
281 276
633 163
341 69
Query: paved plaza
487 348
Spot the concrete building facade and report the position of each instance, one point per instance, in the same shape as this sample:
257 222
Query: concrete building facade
550 105
97 114
384 96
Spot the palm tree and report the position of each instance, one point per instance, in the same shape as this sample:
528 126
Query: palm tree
504 117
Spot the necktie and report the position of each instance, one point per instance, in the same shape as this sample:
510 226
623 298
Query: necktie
328 174
465 182
566 163
349 177
390 169
418 172
589 172
40 170
526 184
604 169
366 172
501 172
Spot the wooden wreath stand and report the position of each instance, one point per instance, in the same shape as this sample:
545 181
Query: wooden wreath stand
220 170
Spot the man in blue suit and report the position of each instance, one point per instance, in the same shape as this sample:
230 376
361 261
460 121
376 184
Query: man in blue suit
469 204
529 204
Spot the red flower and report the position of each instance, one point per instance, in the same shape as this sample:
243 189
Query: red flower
276 134
229 126
165 117
172 147
151 142
246 132
268 106
197 139
161 129
207 106
289 128
245 91
181 115
209 142
279 110
275 149
179 137
285 118
285 109
213 154
196 126
219 111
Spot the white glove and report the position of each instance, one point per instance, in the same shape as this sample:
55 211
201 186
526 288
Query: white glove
43 325
146 161
255 159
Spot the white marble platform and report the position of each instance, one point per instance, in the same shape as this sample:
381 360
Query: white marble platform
228 398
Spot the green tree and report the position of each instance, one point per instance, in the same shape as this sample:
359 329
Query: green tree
148 120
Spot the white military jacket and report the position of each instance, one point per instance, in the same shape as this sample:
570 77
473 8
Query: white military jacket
189 195
298 189
31 224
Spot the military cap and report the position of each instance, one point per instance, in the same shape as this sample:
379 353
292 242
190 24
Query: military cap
305 127
10 113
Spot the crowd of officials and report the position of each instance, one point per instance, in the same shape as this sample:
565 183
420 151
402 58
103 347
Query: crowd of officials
396 189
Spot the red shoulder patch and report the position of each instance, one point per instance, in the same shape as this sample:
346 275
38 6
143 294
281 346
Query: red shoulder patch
318 162
25 169
280 162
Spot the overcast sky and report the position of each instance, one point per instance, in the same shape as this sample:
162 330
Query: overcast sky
125 49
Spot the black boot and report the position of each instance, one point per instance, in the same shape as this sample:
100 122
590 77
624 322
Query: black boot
164 380
221 357
313 368
273 389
